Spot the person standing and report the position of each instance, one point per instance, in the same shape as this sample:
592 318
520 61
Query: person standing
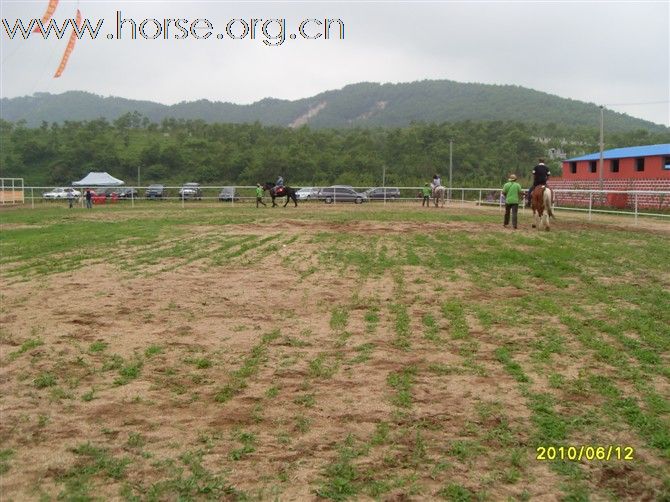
259 195
426 191
512 192
89 197
541 174
70 198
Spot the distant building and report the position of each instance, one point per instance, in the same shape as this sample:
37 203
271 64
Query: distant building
556 153
632 168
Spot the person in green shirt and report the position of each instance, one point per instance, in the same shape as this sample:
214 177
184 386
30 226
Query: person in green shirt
426 191
259 195
512 192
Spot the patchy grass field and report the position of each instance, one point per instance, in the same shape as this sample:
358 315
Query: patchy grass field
212 352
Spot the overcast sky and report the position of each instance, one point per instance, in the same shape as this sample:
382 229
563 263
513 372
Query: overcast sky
612 53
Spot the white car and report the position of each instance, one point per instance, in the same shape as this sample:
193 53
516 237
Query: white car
190 191
61 193
307 193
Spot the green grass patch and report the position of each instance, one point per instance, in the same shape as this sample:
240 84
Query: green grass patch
403 335
402 382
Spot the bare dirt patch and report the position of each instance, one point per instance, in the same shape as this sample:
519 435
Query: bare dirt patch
240 367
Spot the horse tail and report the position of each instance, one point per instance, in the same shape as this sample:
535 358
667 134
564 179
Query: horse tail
548 202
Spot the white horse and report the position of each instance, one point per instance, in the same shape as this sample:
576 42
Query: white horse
541 202
438 195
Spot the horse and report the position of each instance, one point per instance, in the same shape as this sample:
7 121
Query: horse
541 201
288 191
438 195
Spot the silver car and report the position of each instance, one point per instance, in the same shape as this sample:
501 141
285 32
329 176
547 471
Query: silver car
307 193
341 193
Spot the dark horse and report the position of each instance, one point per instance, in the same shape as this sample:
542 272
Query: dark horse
288 191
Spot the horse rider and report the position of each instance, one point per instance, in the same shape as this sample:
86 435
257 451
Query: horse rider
541 174
279 185
437 181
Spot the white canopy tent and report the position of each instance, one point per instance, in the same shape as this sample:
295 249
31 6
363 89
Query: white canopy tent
94 179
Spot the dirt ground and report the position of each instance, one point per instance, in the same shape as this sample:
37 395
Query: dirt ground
204 323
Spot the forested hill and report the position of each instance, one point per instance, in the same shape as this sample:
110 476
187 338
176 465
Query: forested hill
357 105
176 151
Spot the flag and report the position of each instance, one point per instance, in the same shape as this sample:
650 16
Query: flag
51 8
69 48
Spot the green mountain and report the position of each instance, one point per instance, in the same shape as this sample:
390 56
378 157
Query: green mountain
356 105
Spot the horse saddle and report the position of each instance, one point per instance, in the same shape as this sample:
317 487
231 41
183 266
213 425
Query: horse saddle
279 191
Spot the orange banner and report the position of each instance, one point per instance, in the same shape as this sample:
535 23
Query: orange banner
68 49
51 8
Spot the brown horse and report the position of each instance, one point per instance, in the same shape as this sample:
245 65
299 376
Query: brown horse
541 201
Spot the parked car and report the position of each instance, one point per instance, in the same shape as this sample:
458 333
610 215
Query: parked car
228 194
378 193
155 192
307 193
127 193
61 193
341 193
190 191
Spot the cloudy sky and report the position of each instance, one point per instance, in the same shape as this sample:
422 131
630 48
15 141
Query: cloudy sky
611 53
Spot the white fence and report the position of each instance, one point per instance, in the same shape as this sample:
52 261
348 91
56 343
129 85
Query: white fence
11 191
635 203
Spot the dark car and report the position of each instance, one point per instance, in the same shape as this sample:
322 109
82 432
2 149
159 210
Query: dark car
155 192
190 191
228 194
381 193
341 193
127 193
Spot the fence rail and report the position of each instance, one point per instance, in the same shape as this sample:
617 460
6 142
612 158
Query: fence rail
636 203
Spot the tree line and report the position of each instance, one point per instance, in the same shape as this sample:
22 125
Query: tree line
175 151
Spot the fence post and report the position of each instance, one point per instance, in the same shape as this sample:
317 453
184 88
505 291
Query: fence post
590 204
182 199
32 198
480 197
636 208
462 197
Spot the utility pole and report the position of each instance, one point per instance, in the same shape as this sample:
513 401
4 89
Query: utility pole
451 165
602 147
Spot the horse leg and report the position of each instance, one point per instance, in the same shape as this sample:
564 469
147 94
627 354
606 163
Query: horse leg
274 204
